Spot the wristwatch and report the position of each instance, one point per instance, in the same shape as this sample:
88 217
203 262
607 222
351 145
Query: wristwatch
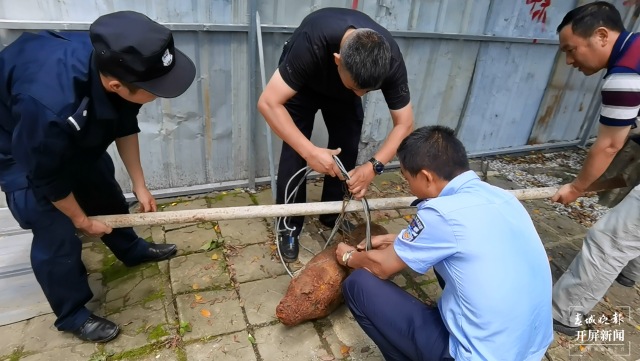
345 257
377 166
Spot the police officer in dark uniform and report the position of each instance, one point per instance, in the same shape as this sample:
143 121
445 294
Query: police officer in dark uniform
333 58
65 97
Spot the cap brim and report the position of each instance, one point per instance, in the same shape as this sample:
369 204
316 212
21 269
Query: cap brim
175 82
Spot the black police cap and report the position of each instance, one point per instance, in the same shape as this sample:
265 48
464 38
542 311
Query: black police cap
135 49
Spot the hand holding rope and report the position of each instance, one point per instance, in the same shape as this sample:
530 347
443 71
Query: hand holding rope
288 197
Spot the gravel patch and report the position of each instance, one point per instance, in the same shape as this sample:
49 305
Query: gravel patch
585 210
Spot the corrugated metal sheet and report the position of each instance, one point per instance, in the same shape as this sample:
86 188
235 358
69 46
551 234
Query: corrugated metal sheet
510 79
439 71
497 94
508 85
439 74
169 11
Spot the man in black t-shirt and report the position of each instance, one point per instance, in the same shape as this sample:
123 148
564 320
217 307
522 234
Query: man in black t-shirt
332 59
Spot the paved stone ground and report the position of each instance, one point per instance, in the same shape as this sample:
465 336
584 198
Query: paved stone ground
216 300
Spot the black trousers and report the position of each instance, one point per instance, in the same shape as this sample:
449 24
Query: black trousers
343 119
56 250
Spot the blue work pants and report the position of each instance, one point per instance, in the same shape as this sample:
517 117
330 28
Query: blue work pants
402 326
56 249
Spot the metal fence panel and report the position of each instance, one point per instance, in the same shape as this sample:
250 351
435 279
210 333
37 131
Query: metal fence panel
170 11
439 71
498 94
508 84
511 79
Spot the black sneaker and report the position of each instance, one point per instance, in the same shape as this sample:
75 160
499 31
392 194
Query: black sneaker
289 246
625 281
566 330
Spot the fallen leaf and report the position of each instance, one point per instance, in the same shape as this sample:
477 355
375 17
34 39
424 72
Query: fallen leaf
235 338
365 349
198 297
408 218
581 348
327 358
128 323
237 189
186 326
345 350
242 303
195 286
550 259
215 256
518 174
606 299
205 313
398 188
147 328
384 183
224 192
536 211
217 228
126 298
209 245
193 304
186 203
251 339
273 246
173 204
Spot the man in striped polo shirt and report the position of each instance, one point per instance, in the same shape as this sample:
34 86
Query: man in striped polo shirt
593 38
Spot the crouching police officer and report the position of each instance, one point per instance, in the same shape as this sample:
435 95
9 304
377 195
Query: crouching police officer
65 97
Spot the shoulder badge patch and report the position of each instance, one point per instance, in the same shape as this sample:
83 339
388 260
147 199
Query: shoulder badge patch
411 233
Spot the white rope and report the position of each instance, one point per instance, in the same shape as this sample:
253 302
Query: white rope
339 220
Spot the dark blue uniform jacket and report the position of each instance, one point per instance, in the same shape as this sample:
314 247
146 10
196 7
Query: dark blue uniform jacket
55 115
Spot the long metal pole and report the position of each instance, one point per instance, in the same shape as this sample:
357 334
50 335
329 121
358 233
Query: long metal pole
280 210
253 102
77 25
272 171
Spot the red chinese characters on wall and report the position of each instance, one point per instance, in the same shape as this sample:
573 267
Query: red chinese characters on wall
539 11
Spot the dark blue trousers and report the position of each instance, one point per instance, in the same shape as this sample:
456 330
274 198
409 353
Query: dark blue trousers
56 250
402 326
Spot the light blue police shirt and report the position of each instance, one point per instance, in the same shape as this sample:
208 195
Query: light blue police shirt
497 300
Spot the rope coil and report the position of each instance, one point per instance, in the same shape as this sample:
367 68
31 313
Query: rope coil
339 220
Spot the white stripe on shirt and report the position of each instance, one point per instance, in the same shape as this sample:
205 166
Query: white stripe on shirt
619 112
622 82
